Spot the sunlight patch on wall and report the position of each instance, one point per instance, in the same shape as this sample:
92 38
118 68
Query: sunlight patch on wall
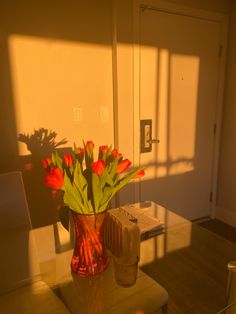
50 78
169 96
184 78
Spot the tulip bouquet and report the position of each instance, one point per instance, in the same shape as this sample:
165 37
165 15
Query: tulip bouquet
89 185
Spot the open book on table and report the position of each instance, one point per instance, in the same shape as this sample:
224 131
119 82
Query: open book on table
142 214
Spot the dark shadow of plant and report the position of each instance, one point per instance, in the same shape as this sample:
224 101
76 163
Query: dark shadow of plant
42 142
43 204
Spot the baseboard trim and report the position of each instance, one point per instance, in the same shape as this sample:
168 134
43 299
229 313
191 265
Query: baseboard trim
201 219
226 216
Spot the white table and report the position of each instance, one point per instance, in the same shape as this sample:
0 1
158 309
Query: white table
101 294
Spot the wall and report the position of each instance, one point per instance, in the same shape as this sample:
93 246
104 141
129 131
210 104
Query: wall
55 56
226 209
220 6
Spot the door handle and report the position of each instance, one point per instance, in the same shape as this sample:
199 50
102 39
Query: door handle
152 141
146 139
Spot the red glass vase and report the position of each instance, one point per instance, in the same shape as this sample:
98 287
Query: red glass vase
89 257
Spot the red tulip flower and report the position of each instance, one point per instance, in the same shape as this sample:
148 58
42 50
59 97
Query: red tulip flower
68 159
98 166
140 174
116 154
89 146
104 148
54 178
80 153
123 165
46 162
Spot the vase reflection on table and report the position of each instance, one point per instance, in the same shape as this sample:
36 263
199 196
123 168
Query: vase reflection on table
88 188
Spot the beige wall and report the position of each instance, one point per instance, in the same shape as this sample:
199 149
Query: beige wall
227 169
55 56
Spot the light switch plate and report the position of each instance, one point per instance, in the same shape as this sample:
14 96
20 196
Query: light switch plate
77 111
104 114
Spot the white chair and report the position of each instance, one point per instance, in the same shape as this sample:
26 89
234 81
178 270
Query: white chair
21 290
231 290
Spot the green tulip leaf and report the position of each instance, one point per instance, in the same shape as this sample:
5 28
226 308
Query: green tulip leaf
71 197
56 159
97 191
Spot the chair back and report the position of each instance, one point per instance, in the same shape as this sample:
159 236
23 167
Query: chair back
18 255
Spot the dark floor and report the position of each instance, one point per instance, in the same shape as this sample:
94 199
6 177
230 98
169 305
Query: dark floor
220 228
193 267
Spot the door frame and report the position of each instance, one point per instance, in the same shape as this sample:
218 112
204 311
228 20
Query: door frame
168 7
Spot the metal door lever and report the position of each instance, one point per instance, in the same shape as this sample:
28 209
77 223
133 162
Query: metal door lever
146 140
153 141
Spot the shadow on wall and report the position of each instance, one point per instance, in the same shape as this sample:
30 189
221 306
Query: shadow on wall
42 202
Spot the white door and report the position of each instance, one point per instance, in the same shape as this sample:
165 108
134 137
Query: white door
179 63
